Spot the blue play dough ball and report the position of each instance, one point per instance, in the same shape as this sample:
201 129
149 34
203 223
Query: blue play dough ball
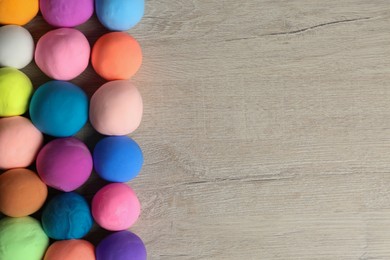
117 158
67 216
119 15
59 108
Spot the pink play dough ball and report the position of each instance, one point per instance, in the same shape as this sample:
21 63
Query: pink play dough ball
116 108
62 54
19 142
115 207
64 164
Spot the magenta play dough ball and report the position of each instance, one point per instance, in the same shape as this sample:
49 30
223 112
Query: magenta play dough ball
64 164
66 13
19 142
116 108
115 207
62 54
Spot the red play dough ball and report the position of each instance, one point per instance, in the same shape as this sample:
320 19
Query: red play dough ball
116 55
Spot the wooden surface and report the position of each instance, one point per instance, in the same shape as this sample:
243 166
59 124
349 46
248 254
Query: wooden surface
266 130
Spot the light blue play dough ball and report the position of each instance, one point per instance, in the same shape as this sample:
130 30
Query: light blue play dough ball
67 216
119 15
59 108
117 158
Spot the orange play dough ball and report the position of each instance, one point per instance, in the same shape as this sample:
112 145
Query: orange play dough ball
76 249
21 192
116 55
18 12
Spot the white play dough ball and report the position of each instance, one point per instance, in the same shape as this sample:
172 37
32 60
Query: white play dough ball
16 46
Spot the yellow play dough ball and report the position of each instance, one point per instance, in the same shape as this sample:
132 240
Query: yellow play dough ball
15 92
18 12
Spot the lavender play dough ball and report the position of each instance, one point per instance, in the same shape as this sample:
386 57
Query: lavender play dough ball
64 164
66 13
122 245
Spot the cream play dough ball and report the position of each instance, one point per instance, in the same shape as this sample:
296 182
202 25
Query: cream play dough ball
19 142
16 47
15 92
116 108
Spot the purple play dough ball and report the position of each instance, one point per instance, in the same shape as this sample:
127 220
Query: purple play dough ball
64 164
66 13
122 245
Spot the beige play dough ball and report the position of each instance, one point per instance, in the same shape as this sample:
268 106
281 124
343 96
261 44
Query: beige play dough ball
19 142
15 92
116 108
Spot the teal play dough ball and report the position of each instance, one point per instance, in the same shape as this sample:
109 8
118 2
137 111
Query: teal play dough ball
22 239
15 92
59 108
67 216
119 15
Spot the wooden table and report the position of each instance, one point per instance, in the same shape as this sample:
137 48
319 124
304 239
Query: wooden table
266 130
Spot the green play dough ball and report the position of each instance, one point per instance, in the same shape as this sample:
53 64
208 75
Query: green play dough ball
15 92
22 239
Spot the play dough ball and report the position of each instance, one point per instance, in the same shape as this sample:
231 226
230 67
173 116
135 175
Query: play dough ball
119 15
122 245
16 46
22 239
116 108
21 192
59 108
67 216
15 92
75 249
115 207
18 12
66 13
117 158
64 164
116 55
19 142
62 54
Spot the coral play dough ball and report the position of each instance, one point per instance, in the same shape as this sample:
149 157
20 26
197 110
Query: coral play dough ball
59 108
16 46
116 108
75 249
62 54
66 13
18 12
67 216
19 142
119 15
15 92
115 207
122 245
21 192
117 158
116 55
22 239
64 164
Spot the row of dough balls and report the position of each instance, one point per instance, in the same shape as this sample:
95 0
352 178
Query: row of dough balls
64 53
115 15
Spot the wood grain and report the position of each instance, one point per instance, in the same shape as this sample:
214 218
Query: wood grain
266 130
